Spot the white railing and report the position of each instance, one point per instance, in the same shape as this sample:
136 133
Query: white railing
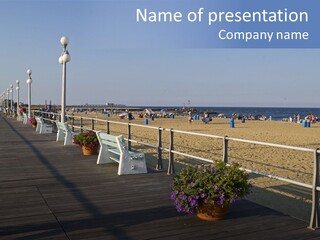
314 219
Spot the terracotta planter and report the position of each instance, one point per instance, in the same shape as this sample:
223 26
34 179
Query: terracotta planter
88 151
211 212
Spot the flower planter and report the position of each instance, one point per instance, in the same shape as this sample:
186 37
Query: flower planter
88 151
212 212
208 190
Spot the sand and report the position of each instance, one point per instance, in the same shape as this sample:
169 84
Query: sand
291 164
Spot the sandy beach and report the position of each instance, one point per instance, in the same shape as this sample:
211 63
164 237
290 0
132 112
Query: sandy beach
291 164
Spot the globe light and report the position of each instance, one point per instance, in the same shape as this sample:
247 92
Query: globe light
66 57
64 41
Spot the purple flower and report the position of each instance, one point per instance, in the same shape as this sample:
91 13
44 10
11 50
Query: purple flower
194 203
221 200
202 195
173 196
215 187
182 196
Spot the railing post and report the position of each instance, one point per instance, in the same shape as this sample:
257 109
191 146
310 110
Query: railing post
129 137
159 164
314 219
108 127
72 122
225 149
92 124
81 124
171 154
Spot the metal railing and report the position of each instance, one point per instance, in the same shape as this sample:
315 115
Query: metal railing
314 218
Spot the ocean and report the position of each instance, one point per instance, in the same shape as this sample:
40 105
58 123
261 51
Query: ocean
277 113
274 112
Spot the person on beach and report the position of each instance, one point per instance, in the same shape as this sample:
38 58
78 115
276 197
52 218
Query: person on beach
190 118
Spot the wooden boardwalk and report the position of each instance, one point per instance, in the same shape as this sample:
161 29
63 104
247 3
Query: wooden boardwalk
50 191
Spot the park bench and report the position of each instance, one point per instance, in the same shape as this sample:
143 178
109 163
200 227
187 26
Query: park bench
43 127
20 117
64 133
25 118
113 148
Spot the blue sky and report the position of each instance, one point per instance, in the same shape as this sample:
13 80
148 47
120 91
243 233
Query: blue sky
107 66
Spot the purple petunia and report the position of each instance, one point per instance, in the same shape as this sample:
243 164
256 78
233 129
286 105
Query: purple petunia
221 200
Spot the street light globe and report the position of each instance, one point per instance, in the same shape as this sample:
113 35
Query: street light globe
17 88
29 81
64 41
17 82
11 86
60 60
29 71
66 58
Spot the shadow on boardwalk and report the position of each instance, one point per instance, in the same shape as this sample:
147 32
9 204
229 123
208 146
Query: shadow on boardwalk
50 191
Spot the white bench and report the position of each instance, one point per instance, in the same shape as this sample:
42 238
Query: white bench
64 133
113 148
25 118
20 117
43 127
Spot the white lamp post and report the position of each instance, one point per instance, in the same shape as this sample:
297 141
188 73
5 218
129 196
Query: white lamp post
29 81
18 100
11 103
63 59
7 99
1 99
4 99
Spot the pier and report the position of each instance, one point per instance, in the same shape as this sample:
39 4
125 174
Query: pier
51 191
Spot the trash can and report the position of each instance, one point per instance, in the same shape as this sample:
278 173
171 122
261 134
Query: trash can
146 121
232 122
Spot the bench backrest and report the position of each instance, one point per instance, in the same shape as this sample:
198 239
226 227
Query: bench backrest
39 120
63 126
112 141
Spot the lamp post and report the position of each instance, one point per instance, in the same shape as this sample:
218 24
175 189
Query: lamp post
7 105
29 81
18 100
3 99
11 102
63 59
